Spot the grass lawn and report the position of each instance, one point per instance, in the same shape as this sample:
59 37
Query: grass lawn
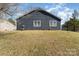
39 42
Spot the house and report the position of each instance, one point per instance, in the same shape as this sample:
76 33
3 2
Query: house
38 19
5 25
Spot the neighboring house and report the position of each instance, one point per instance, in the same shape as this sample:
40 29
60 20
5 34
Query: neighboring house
38 19
5 25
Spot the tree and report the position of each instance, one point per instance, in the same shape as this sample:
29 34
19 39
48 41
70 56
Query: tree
72 24
8 9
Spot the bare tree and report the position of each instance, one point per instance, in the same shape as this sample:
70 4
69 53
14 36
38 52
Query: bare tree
8 9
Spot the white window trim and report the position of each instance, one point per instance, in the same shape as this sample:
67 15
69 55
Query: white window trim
52 23
36 23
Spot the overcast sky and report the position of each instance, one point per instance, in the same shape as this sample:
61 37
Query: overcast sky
64 11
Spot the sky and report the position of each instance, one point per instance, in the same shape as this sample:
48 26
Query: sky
61 10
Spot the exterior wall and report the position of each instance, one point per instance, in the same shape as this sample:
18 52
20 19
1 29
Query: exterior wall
28 21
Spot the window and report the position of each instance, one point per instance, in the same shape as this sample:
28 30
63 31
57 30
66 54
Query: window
52 23
37 23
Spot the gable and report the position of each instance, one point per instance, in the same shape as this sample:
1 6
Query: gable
39 14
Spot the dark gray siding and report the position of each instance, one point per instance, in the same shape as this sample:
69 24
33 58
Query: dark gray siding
27 21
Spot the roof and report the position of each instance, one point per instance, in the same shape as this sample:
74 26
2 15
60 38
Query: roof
41 10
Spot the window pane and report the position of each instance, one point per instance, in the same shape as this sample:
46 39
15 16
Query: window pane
37 23
52 23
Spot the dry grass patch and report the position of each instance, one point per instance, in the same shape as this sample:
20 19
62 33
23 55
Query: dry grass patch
39 42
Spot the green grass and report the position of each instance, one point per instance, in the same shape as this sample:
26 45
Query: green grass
39 42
